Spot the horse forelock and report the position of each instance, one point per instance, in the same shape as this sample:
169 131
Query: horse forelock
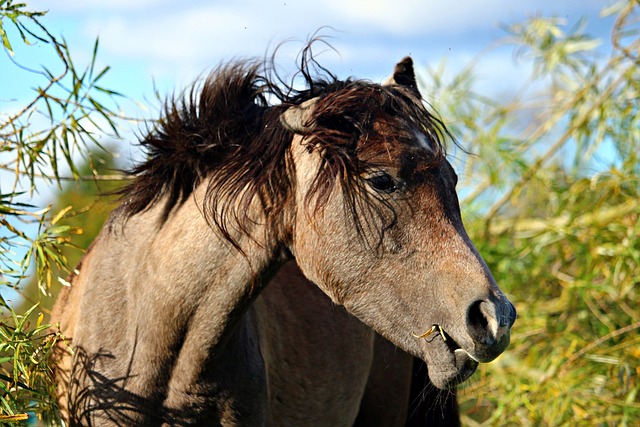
363 127
347 118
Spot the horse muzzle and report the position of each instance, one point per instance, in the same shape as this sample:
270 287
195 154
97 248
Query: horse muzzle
489 324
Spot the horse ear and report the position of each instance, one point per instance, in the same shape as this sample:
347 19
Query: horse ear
403 75
298 119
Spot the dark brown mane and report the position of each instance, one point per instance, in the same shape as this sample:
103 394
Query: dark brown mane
226 129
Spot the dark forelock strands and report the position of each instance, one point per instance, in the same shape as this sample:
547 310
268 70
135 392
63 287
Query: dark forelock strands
225 130
344 132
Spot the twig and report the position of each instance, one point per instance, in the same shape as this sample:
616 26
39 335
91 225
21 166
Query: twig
112 177
596 343
531 172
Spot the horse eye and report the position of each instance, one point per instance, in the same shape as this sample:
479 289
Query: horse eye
382 182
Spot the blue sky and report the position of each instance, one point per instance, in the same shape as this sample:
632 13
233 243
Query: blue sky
165 45
170 43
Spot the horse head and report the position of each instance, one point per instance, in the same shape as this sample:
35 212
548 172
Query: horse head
377 225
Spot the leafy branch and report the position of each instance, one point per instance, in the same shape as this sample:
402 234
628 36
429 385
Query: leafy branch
71 114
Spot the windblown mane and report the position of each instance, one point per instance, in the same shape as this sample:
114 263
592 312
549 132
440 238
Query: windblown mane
226 129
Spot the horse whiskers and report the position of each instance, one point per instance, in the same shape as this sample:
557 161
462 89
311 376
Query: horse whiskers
430 332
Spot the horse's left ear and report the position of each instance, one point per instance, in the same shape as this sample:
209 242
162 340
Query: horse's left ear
298 118
403 75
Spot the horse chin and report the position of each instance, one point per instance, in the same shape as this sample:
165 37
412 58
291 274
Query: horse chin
466 365
448 364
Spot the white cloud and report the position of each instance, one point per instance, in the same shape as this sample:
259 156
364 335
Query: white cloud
411 17
184 36
202 29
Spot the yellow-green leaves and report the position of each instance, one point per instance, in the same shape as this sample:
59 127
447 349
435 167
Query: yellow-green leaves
41 142
552 200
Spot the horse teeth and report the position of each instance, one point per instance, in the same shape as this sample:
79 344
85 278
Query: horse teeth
469 355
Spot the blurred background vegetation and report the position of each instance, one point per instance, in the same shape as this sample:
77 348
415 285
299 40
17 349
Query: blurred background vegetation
549 191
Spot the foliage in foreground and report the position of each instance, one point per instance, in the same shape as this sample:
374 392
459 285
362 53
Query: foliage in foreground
40 143
550 196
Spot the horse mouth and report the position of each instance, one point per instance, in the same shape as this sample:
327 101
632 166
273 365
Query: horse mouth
461 353
449 364
466 365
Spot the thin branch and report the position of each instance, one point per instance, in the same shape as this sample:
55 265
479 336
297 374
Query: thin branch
111 177
542 160
544 128
596 343
52 82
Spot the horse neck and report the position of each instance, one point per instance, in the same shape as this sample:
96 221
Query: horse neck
192 263
175 272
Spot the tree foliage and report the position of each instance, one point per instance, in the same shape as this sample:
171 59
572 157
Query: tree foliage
551 197
549 191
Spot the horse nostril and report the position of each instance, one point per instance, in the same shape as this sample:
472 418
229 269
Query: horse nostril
482 322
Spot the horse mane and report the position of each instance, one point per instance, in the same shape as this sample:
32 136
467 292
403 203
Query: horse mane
226 130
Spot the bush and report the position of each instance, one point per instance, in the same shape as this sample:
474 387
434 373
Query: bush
552 202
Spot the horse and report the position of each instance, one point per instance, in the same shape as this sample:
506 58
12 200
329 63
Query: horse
244 173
